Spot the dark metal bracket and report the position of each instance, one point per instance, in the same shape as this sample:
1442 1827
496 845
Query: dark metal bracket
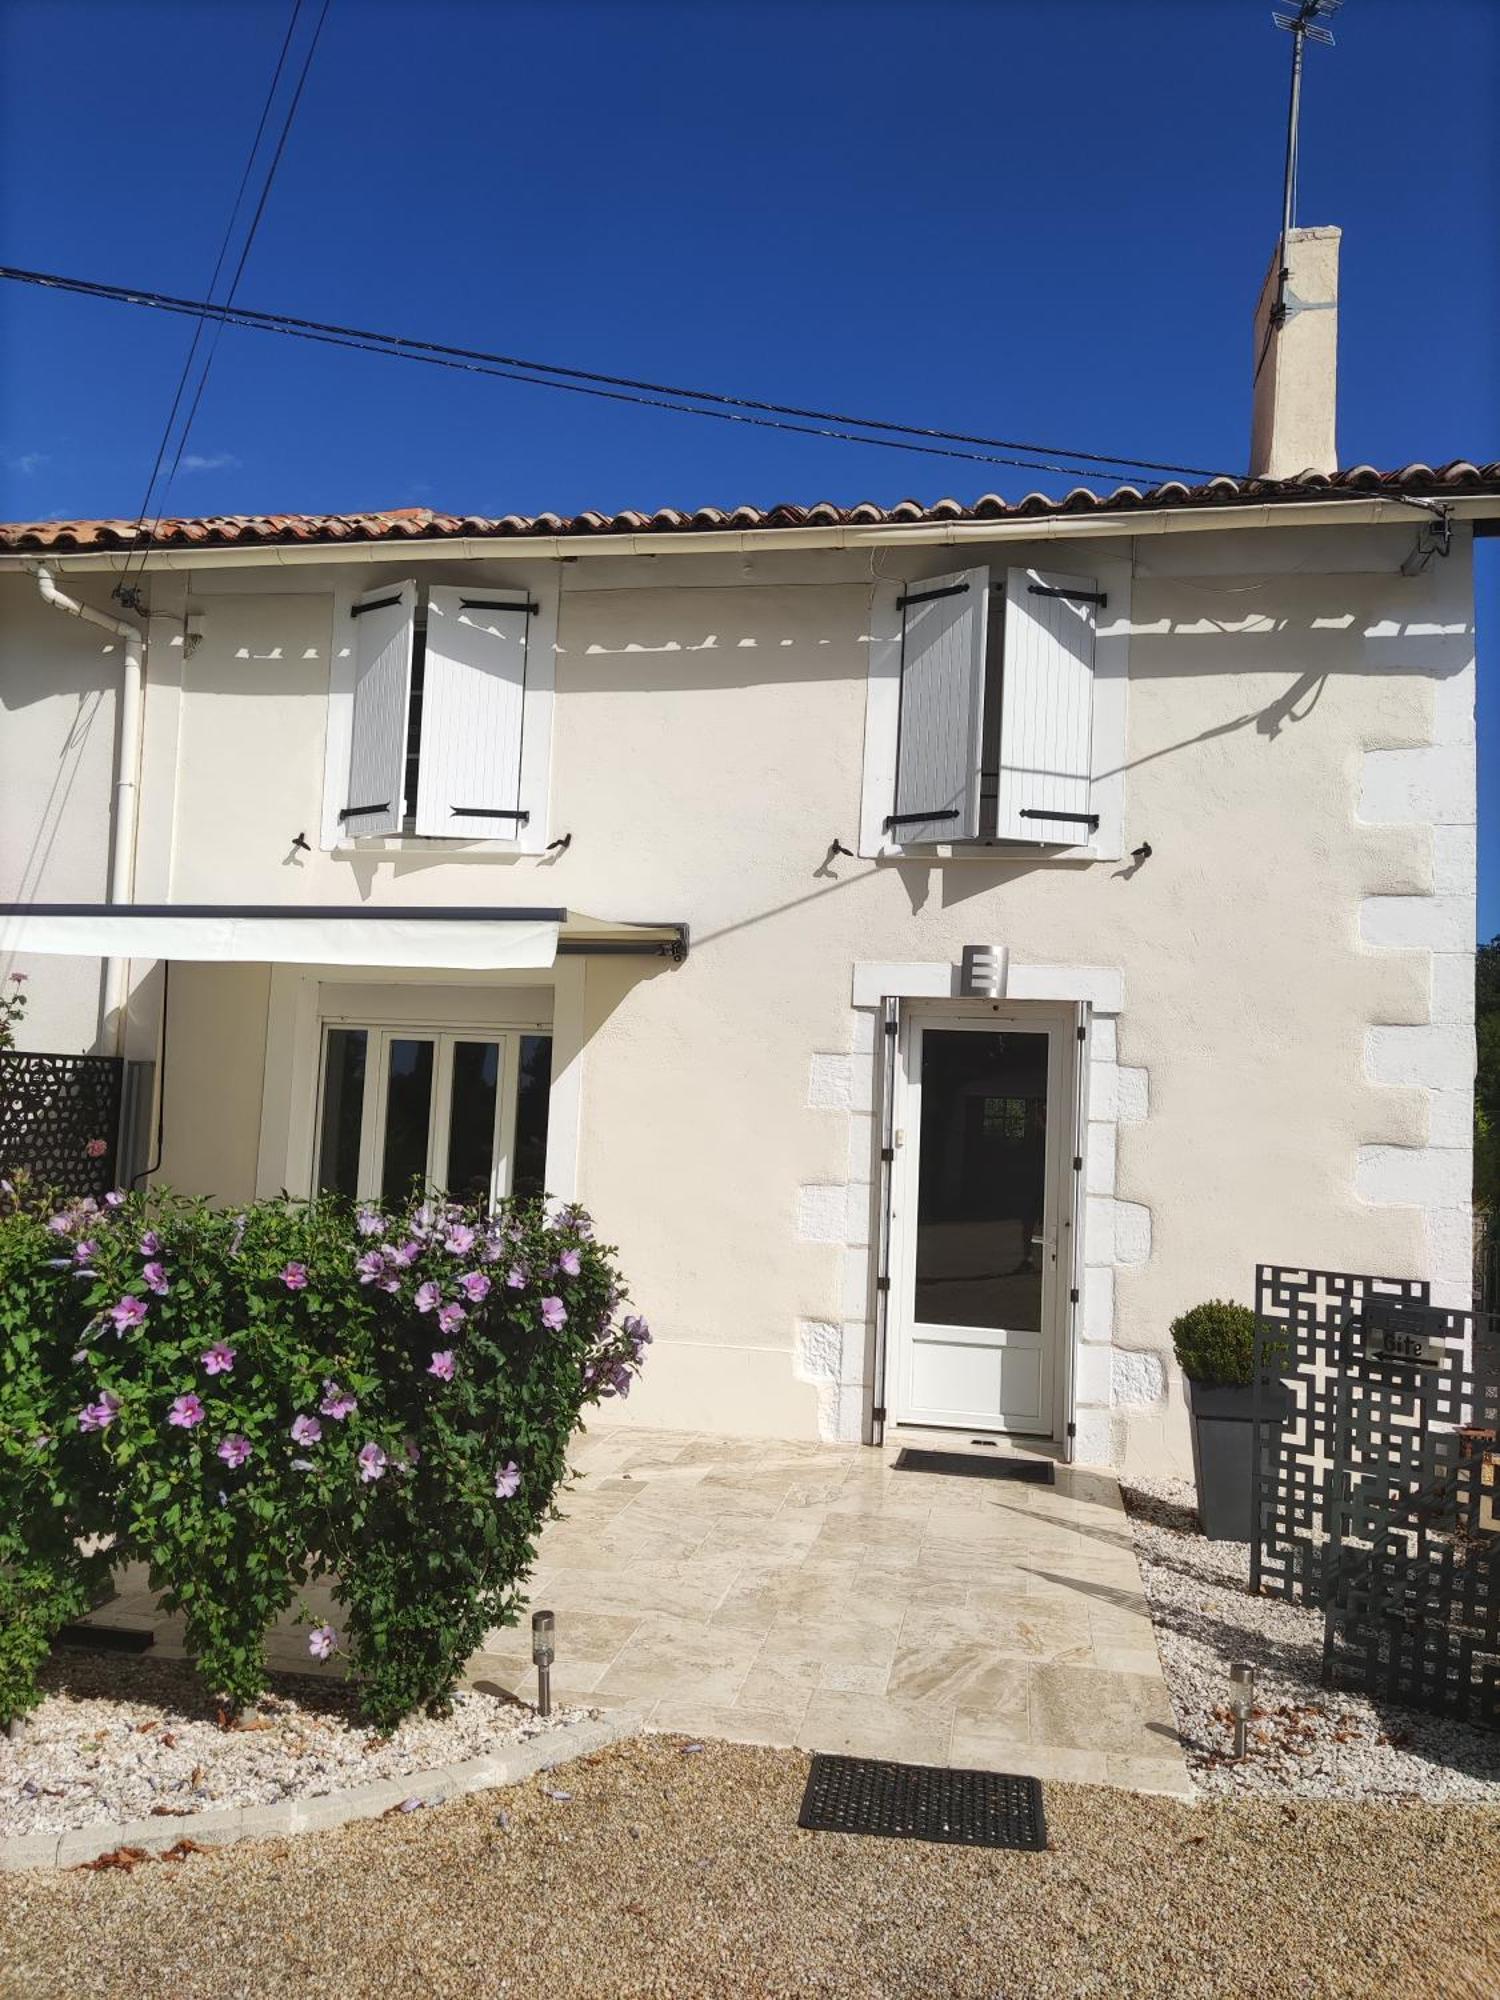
526 607
491 812
1090 820
1073 596
930 596
359 812
375 604
912 819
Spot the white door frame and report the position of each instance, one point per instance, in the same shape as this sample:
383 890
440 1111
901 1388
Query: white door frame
1061 1226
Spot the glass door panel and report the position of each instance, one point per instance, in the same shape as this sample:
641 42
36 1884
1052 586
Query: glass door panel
473 1115
982 1179
533 1094
341 1127
408 1116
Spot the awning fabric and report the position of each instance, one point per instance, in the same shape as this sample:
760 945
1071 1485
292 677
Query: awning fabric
442 939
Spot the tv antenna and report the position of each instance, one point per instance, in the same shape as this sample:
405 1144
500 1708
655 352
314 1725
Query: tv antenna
1306 25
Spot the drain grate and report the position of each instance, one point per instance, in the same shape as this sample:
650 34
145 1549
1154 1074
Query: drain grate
918 1802
1036 1471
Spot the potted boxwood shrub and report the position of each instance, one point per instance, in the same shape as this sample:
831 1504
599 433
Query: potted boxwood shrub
1215 1347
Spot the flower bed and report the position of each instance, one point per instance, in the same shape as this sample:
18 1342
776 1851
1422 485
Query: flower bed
239 1400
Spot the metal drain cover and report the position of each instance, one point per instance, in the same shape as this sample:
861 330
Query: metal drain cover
920 1802
959 1464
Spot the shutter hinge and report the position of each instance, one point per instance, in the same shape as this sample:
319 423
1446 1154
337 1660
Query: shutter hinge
1072 1430
1073 596
490 812
526 607
887 1156
912 819
877 1415
883 1284
930 596
1078 1163
890 1027
1083 1034
358 812
1073 1296
1090 820
375 604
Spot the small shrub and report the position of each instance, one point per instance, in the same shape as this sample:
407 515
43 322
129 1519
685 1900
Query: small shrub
1215 1343
244 1401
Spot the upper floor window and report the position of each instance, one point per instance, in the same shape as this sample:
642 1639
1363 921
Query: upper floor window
985 723
449 683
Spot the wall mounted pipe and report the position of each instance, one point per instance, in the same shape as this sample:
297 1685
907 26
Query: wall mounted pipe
126 778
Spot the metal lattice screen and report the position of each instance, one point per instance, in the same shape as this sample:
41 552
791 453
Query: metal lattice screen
1376 1483
59 1119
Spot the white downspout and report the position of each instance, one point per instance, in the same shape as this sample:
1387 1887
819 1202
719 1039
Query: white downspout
127 764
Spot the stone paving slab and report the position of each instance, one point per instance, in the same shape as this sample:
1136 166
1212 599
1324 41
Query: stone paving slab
810 1595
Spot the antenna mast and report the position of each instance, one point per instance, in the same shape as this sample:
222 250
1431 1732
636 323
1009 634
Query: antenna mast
1303 26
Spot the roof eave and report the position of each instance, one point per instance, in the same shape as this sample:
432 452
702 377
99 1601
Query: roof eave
1351 510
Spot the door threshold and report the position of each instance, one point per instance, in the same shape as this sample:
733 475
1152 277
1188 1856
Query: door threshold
976 1443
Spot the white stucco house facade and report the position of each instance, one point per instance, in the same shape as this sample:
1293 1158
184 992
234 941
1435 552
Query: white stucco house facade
938 944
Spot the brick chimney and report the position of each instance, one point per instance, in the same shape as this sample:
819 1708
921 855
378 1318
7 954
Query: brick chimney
1296 363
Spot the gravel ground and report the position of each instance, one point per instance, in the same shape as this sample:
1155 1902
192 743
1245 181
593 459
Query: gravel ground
1307 1741
119 1738
653 1869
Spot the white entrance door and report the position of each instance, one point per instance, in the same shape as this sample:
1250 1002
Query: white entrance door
976 1187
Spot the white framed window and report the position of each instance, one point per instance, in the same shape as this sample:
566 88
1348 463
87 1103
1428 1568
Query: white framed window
463 1111
995 712
440 717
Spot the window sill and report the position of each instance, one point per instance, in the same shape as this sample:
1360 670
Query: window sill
991 850
430 843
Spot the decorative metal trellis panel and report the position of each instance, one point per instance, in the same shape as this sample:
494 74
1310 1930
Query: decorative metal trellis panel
1376 1486
52 1110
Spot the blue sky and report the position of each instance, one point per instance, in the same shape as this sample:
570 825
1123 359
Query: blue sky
1034 221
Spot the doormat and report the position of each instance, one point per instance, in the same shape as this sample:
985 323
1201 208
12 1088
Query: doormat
1037 1471
919 1802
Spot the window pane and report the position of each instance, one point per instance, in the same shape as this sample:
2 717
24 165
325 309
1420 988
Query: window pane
408 1115
533 1088
471 1125
981 1179
343 1111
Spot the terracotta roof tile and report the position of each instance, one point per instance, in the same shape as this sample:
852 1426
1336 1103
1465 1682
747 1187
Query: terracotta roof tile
422 524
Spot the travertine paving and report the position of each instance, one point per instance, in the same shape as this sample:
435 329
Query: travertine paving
809 1596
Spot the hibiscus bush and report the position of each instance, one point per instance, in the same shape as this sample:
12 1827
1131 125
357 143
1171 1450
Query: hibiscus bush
245 1401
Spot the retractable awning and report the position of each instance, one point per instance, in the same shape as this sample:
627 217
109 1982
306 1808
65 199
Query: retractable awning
440 939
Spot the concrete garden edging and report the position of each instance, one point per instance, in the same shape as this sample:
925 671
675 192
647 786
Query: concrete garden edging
326 1809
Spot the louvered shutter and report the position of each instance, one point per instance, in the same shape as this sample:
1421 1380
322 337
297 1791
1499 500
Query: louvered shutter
1047 707
382 690
944 621
473 697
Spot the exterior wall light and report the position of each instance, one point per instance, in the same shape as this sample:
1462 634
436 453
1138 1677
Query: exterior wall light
982 972
1241 1701
543 1652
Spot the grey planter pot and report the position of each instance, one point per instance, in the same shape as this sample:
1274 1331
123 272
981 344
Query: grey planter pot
1223 1457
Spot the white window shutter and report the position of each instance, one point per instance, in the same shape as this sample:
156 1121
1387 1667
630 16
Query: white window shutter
1047 708
944 622
473 699
383 621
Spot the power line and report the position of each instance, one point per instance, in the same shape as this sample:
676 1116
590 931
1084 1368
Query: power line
187 365
245 248
614 388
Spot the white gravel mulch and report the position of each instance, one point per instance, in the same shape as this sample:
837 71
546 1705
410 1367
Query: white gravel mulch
123 1738
1306 1739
